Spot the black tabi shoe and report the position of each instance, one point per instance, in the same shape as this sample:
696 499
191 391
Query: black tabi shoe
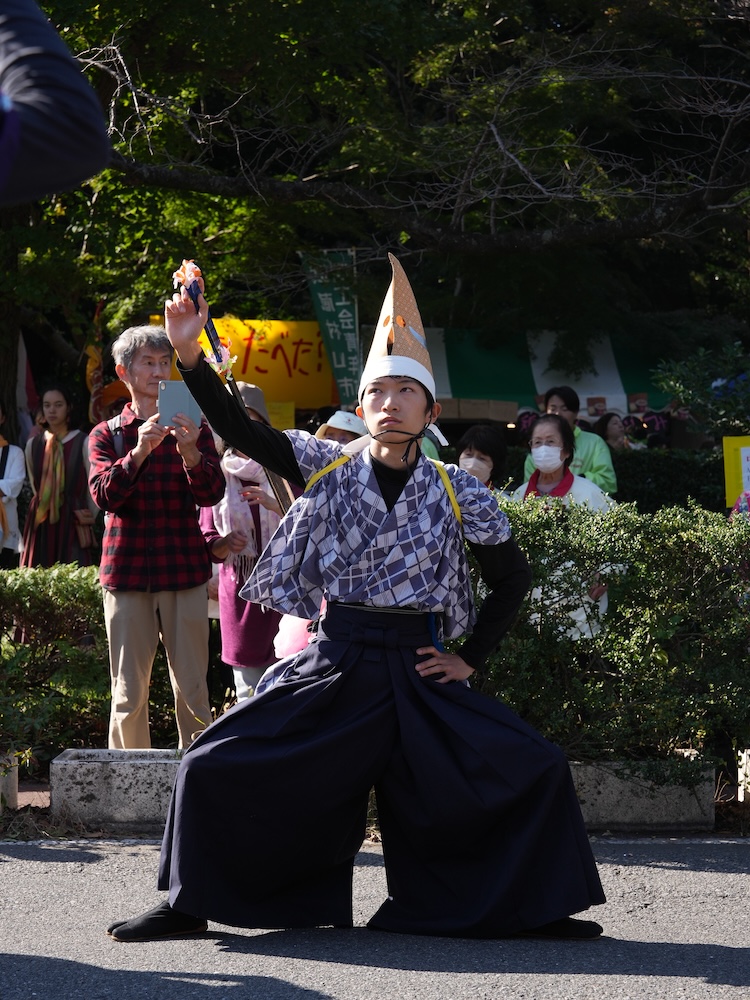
161 922
567 929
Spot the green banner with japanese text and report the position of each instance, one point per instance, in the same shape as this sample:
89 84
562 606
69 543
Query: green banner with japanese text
330 275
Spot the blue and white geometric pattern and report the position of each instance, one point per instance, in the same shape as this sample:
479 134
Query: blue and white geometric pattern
339 541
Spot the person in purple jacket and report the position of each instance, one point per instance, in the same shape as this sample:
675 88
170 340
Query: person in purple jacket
52 130
237 529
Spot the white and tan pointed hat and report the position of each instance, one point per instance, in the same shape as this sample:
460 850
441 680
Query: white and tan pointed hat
399 346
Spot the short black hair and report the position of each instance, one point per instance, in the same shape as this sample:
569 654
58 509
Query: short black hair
566 433
489 438
568 395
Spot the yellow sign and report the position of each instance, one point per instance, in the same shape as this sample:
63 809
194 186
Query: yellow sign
287 360
281 415
736 467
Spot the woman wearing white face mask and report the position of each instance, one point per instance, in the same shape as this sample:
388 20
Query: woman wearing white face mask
482 452
552 445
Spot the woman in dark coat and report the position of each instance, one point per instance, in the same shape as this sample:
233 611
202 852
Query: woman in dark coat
57 461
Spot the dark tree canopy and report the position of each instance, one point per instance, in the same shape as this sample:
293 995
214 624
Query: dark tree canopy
581 167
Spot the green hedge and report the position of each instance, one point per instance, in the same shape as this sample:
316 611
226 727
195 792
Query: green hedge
55 674
666 670
656 478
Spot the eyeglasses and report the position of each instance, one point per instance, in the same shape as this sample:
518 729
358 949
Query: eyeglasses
553 408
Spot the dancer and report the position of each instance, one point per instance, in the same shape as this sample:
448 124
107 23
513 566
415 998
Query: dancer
482 833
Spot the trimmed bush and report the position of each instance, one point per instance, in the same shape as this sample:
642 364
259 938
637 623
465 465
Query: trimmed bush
660 478
656 478
666 670
55 689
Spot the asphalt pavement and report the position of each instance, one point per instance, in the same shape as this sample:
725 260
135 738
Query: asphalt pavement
677 925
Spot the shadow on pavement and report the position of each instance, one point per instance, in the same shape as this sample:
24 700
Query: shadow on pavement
62 978
713 964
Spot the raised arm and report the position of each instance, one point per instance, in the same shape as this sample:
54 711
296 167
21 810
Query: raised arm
184 325
257 440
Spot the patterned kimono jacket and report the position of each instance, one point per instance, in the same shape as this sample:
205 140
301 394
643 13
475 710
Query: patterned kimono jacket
340 541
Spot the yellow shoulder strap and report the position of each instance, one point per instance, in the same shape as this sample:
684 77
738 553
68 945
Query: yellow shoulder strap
442 472
325 470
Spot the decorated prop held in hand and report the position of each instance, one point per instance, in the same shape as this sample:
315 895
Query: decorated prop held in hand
187 275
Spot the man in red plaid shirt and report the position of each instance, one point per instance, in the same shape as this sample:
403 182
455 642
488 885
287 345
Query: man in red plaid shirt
150 478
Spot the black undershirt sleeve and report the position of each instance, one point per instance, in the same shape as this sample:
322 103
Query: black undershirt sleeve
506 572
230 421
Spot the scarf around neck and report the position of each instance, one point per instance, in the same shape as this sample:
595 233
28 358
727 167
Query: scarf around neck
52 481
562 488
233 513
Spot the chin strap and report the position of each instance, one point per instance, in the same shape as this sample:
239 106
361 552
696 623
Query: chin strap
410 440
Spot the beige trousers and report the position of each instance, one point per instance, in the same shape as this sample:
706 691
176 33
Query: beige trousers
135 622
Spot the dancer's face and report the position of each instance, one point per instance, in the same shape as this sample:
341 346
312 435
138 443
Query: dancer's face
394 407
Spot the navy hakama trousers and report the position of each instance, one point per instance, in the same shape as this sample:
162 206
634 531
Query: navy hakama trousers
482 832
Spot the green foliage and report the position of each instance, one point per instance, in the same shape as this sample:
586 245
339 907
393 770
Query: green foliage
714 385
656 478
665 667
55 676
544 169
661 477
663 670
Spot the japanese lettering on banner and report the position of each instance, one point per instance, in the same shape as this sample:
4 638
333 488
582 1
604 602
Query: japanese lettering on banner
330 276
287 360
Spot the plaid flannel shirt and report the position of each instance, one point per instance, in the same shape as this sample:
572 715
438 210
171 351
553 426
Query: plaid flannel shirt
152 539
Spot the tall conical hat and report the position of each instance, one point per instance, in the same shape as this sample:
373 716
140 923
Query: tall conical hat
399 346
